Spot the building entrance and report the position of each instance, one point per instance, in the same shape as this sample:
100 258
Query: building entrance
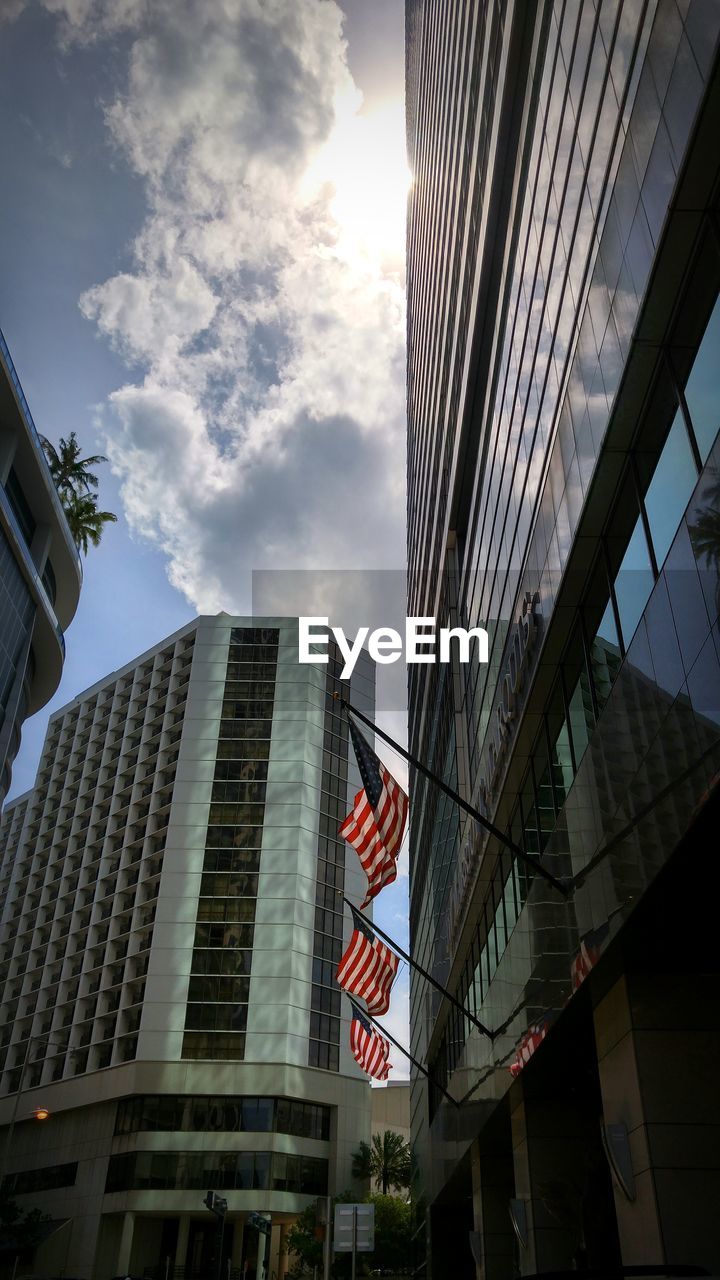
203 1249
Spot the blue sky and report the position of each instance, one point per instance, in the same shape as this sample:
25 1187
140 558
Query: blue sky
201 272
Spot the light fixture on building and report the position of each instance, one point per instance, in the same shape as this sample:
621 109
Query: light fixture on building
518 1217
41 1113
616 1146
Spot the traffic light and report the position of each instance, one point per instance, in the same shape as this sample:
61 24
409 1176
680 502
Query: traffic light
216 1204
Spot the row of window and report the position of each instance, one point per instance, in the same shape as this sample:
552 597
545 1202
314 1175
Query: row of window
29 1180
173 1114
324 1045
224 1171
219 987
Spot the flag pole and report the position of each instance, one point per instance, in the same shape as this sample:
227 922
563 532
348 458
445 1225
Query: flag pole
423 972
383 1030
458 799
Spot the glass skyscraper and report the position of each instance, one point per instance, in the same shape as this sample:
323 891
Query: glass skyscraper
564 404
172 922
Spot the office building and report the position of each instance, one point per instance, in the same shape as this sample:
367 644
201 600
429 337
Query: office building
172 922
564 403
40 572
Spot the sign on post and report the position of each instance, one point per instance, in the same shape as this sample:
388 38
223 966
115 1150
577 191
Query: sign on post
354 1223
260 1222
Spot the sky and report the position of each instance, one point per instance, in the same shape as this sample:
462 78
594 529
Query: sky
201 273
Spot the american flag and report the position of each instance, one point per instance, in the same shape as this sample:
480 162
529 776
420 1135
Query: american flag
376 824
585 959
368 967
369 1049
533 1037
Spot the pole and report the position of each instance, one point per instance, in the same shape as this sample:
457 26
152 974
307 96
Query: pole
463 804
327 1242
16 1108
354 1242
220 1250
423 972
266 1259
408 1055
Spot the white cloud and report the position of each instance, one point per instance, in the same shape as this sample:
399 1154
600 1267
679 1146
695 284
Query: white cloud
263 308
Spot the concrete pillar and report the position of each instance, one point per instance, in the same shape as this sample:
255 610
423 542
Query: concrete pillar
493 1188
658 1041
236 1256
182 1240
126 1242
550 1140
282 1267
274 1265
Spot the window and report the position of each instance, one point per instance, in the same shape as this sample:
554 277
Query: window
20 506
670 488
702 390
632 586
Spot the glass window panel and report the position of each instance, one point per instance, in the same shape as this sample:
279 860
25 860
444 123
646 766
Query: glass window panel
545 807
702 391
633 584
671 488
257 1115
605 657
561 761
511 912
531 842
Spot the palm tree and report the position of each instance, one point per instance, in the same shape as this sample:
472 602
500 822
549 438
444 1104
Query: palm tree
705 532
85 521
70 472
76 485
387 1161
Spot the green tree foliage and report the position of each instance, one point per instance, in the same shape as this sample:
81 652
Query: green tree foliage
387 1162
705 531
85 521
18 1230
305 1242
393 1233
77 488
393 1239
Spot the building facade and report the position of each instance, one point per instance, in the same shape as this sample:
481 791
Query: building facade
173 919
40 572
563 410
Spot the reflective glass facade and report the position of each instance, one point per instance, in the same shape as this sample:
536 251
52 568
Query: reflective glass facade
564 404
39 571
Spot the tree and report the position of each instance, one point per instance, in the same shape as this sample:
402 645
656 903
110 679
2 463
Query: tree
387 1161
393 1233
393 1239
19 1230
85 521
76 485
70 472
305 1241
705 532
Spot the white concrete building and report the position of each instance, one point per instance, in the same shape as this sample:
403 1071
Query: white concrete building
172 919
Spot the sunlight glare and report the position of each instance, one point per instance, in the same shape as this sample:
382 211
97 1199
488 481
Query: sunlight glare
364 162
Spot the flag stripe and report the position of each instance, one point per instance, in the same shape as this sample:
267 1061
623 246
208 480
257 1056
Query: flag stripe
369 1049
375 825
368 969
